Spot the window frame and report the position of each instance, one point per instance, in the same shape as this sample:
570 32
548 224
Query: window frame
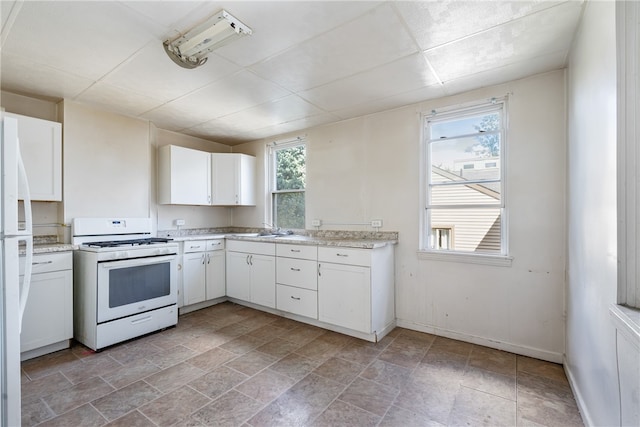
274 147
460 112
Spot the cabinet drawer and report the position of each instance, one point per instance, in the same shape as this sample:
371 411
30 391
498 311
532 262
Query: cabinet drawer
44 263
215 245
345 256
297 272
297 251
195 246
297 301
257 248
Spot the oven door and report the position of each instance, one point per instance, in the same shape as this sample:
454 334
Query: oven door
136 285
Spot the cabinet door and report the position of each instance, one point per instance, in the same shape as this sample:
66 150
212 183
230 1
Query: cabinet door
184 176
344 296
48 315
193 277
246 180
215 274
263 280
224 178
238 275
41 149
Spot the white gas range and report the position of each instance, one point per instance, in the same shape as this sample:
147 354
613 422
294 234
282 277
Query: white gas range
125 280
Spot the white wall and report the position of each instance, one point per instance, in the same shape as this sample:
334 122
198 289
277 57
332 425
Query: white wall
591 213
368 168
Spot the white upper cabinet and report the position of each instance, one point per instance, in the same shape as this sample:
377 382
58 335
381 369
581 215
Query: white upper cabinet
193 177
184 176
233 178
41 149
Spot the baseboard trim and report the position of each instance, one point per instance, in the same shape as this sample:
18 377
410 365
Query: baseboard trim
536 353
582 407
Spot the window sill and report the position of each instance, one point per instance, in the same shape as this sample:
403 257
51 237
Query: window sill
495 260
627 321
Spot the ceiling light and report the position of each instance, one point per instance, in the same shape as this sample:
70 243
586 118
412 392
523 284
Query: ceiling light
190 50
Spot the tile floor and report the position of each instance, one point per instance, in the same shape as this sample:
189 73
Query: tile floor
231 365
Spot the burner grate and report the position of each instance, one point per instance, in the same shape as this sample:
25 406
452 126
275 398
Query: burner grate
132 242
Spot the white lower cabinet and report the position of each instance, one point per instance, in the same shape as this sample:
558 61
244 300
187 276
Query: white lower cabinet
297 279
303 302
355 288
251 272
47 324
203 271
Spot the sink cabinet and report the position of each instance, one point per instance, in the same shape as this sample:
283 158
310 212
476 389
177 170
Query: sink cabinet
203 271
251 272
41 149
47 325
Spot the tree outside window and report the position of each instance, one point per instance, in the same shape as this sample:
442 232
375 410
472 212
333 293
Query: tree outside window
288 185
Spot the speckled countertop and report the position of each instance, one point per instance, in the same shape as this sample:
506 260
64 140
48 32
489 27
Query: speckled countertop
47 244
342 238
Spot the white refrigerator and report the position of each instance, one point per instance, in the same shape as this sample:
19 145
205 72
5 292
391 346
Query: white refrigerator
14 292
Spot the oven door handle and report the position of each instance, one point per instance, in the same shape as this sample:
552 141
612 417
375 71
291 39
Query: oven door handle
134 262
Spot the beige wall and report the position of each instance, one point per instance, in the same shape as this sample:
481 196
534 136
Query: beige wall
369 167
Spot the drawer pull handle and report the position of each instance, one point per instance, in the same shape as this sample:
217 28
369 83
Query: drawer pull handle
42 263
144 319
295 250
295 269
297 299
344 255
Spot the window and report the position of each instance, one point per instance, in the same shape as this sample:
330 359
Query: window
464 182
288 175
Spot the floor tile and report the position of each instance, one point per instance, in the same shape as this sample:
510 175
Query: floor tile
218 381
339 370
172 407
243 344
357 353
77 395
294 366
231 409
397 416
408 357
370 396
268 332
477 407
90 368
134 350
342 414
434 400
132 419
211 359
174 377
278 348
302 334
490 382
251 363
118 403
85 416
451 346
318 349
130 373
552 371
493 360
171 356
548 412
49 364
387 373
265 386
44 386
34 411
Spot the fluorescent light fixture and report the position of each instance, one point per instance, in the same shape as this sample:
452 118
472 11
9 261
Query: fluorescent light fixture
190 50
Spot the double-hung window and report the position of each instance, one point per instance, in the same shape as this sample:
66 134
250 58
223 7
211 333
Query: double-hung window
464 174
288 176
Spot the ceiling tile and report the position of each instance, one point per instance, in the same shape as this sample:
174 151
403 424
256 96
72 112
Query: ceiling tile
164 12
399 76
106 96
434 23
152 71
280 25
283 128
506 74
527 38
83 38
226 96
349 49
22 75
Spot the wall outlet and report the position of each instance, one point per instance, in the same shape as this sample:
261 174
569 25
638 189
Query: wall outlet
316 222
180 222
376 223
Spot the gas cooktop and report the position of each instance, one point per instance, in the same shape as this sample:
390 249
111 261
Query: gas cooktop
124 243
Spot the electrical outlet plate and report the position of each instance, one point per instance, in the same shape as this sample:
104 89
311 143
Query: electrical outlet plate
316 222
376 223
180 222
